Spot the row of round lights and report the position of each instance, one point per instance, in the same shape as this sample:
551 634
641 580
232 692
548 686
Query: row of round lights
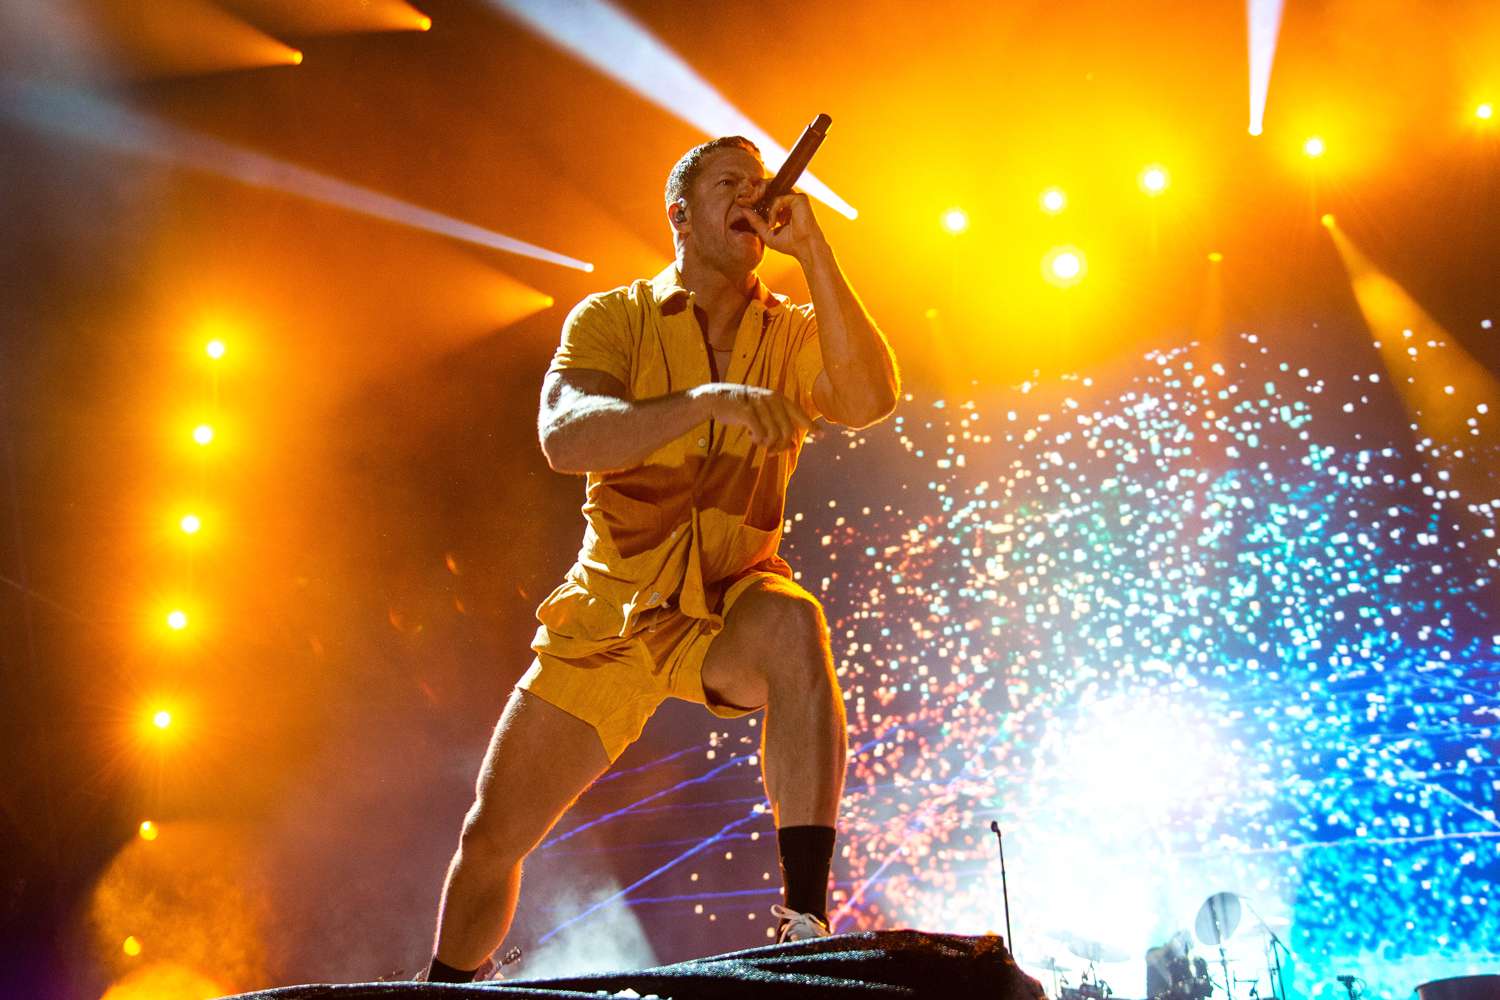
1065 266
176 620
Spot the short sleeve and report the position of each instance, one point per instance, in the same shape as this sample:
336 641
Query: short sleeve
595 336
808 364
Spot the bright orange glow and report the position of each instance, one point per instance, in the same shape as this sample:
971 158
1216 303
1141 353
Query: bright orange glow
203 434
132 947
1485 111
1327 220
177 620
1054 201
1215 256
425 24
1154 180
296 58
1314 146
214 349
190 524
148 830
955 220
1063 266
162 719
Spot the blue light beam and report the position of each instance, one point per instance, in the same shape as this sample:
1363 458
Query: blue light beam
1263 23
612 42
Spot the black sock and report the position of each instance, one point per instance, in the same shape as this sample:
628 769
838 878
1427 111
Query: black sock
437 972
806 858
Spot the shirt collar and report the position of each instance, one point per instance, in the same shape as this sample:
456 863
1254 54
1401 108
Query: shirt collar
667 287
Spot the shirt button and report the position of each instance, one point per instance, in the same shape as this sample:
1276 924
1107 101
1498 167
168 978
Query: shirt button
703 442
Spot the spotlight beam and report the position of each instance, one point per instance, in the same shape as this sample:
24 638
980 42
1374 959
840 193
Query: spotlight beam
1263 21
612 42
80 116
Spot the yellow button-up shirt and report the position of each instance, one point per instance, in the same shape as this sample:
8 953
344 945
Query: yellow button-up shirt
704 508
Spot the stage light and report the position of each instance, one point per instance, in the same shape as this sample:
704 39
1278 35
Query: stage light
132 947
612 41
148 830
425 24
1485 112
955 220
203 434
296 58
177 620
1054 201
1313 146
86 118
1063 266
1154 180
214 349
1263 19
1215 257
190 524
1327 220
162 719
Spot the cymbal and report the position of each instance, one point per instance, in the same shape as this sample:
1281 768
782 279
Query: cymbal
1091 951
1217 918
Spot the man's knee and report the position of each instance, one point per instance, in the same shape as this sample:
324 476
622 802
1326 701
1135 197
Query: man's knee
491 832
795 641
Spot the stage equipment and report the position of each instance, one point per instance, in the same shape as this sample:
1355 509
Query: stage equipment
1004 889
796 161
1485 987
1216 922
873 965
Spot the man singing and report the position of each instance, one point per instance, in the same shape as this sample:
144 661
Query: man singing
685 399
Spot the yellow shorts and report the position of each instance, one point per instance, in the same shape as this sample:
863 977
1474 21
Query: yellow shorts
615 685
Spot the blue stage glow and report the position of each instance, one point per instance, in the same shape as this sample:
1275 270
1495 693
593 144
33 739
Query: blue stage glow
85 118
1219 621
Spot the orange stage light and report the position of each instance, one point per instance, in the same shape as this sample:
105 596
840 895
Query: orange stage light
190 524
161 719
214 349
1054 201
1485 111
1314 146
955 220
148 830
203 434
1154 179
1215 257
131 947
177 620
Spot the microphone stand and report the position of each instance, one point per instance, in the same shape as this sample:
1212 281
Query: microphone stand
1010 942
1278 983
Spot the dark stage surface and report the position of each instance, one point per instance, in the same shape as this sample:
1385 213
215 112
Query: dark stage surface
881 965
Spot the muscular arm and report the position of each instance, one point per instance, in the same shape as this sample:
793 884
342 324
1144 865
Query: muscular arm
588 423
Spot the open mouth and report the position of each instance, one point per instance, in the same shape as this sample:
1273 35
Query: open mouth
742 225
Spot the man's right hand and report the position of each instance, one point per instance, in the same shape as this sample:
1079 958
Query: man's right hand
773 420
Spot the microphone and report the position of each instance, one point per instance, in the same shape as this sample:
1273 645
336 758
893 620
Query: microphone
796 162
1346 980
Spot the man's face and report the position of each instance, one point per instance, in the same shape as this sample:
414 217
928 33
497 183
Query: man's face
718 204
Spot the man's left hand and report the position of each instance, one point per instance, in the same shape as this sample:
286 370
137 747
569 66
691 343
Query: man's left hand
793 229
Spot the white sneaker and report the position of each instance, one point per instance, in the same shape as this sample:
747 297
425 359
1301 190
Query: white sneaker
798 926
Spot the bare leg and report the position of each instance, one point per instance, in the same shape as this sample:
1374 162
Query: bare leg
774 652
540 759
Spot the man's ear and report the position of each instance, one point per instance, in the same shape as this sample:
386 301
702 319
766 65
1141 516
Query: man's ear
679 214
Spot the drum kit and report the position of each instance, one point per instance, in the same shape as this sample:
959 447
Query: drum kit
1173 970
